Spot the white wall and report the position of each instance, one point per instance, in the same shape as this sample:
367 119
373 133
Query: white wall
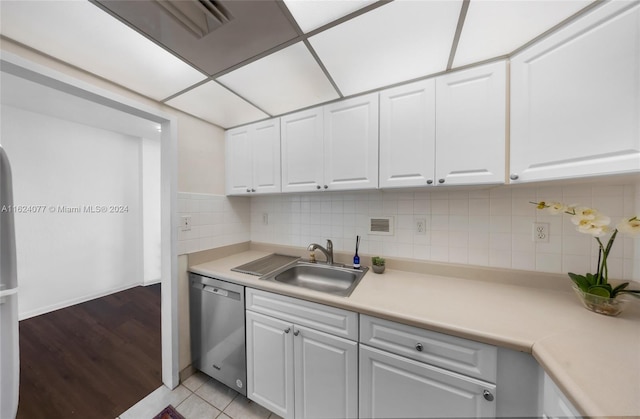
490 227
64 258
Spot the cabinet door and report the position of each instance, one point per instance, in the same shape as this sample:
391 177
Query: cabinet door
326 375
392 386
270 363
555 404
408 135
471 126
265 141
238 161
302 151
351 143
575 99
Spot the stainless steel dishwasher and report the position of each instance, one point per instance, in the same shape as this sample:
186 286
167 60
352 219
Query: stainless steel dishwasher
217 330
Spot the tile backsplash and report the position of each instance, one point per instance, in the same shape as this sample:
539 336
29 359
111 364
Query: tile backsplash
485 227
216 220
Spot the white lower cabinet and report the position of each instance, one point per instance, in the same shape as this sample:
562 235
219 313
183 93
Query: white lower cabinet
298 371
408 372
270 363
308 360
326 375
392 386
555 404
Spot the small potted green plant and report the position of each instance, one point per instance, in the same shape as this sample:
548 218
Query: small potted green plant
377 264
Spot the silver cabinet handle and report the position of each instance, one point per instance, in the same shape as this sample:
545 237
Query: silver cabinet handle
487 395
287 330
514 176
429 181
440 180
419 347
296 333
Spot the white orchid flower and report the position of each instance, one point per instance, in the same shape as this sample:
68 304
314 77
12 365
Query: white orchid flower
583 213
630 227
593 228
556 207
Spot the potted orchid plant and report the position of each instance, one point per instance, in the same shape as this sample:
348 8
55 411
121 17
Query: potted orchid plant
595 291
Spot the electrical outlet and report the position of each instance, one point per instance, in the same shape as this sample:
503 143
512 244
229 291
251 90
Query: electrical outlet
265 218
541 232
421 226
185 222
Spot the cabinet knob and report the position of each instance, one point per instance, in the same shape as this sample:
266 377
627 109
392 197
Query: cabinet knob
419 347
318 187
429 181
487 395
253 190
287 330
296 333
326 187
514 176
440 180
248 190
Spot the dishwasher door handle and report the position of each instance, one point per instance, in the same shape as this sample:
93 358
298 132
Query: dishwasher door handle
221 292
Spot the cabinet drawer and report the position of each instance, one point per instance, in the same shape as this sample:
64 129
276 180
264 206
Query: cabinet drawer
393 386
464 356
332 320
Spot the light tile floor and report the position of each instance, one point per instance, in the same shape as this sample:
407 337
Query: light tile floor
199 397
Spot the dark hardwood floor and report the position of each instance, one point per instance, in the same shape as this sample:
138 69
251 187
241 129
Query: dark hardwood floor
92 360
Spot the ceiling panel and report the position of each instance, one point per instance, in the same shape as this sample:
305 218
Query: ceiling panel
216 104
253 27
311 14
495 28
287 80
83 35
399 41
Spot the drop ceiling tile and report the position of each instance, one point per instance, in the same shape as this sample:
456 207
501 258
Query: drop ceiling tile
399 41
85 36
217 105
495 28
311 14
284 81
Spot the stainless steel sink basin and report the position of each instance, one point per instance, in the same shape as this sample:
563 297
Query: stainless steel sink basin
331 279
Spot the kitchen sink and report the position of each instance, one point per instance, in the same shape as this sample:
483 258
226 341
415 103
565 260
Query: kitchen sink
332 279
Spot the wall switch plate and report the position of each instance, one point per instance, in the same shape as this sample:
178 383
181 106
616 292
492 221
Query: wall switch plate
541 232
265 218
421 226
185 222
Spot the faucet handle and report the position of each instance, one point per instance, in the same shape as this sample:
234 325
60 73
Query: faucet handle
329 245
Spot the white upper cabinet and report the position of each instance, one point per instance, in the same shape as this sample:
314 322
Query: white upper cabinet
351 143
302 151
449 130
253 158
575 99
334 147
238 161
471 126
408 135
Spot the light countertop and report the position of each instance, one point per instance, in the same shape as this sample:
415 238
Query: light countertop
594 359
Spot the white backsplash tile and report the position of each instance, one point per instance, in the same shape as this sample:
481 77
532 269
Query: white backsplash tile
485 227
216 220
